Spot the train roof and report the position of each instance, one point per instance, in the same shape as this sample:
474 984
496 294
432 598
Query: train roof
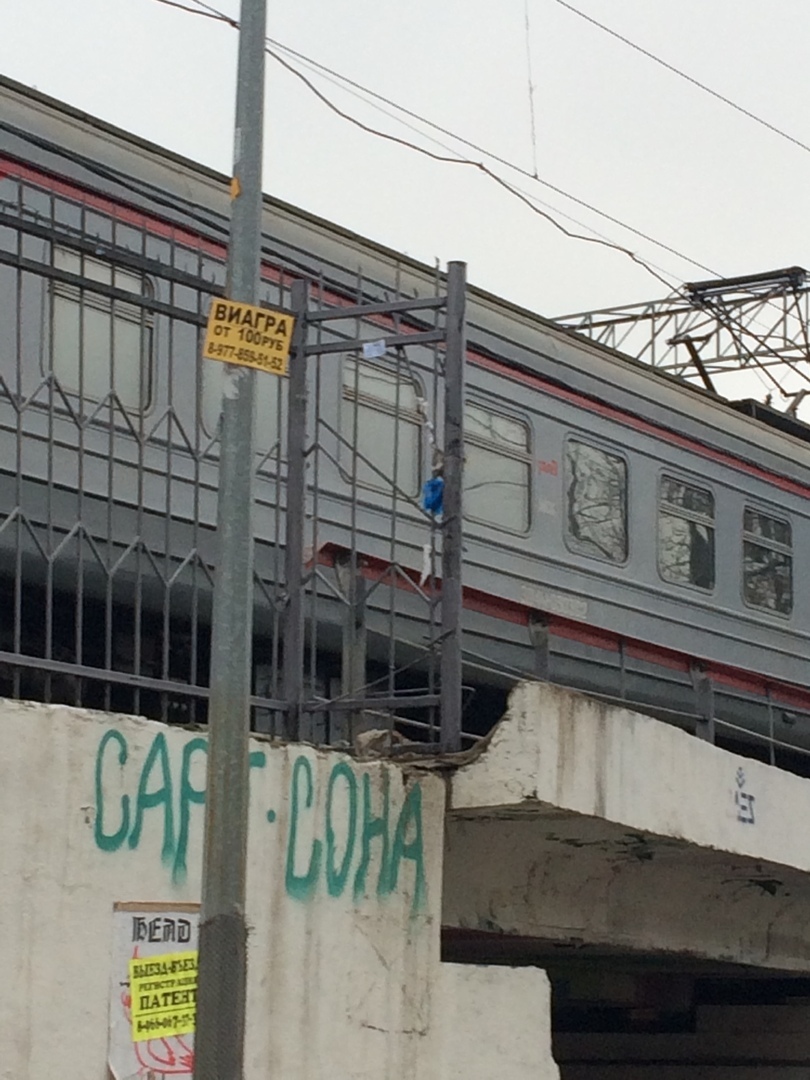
36 127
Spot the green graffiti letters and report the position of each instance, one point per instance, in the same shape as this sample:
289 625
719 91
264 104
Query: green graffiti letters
336 878
188 795
110 841
373 827
301 886
413 849
332 837
147 800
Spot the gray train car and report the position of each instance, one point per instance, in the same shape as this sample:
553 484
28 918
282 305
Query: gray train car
625 532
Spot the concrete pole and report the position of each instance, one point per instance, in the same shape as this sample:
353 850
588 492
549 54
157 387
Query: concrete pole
219 1039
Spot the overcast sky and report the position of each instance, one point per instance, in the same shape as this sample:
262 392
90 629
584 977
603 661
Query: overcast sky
612 127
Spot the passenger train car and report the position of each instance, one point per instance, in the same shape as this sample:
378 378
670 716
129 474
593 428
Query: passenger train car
626 532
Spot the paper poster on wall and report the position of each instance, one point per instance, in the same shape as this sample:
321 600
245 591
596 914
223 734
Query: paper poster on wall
153 990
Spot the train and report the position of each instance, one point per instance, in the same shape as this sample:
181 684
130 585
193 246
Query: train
626 533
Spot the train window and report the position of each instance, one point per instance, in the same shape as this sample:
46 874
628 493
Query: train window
497 469
67 214
380 417
99 344
767 562
37 203
129 238
98 227
596 501
685 533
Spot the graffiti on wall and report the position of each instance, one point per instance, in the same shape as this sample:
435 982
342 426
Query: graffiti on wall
347 838
743 800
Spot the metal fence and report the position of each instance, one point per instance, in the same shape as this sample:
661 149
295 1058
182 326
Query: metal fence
109 456
109 465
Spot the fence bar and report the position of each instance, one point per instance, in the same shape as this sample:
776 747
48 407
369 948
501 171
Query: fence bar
452 526
293 680
385 307
418 337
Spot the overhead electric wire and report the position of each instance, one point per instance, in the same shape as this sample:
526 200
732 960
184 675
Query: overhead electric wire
344 79
688 78
274 45
332 75
349 85
215 11
479 165
336 81
451 150
204 10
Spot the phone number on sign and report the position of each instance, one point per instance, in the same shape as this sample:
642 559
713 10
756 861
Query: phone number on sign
245 356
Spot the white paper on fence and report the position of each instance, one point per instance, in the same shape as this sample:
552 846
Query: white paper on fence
373 348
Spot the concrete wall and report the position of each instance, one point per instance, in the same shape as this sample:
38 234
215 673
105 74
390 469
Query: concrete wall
495 1023
578 824
344 900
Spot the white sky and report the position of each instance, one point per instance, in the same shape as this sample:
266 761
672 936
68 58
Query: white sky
613 128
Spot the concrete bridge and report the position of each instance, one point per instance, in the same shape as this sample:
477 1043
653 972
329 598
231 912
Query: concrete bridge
592 895
661 882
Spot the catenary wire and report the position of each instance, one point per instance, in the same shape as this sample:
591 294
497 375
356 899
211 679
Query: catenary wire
479 165
339 79
518 193
339 82
688 78
210 11
345 81
204 10
156 195
273 50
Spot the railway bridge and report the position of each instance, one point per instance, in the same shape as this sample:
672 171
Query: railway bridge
588 894
661 882
584 892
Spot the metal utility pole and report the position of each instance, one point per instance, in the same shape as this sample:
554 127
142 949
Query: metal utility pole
219 1039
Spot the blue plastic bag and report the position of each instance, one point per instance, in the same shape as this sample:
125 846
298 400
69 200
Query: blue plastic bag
433 495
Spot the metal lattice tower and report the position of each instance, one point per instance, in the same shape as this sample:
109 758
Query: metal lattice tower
717 329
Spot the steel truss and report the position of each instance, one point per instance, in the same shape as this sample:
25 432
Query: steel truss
714 328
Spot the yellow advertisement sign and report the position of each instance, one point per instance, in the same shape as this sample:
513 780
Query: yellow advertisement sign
248 335
163 992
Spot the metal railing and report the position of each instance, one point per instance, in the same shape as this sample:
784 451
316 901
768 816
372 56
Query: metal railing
108 475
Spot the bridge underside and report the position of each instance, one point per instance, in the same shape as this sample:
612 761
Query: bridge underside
660 881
